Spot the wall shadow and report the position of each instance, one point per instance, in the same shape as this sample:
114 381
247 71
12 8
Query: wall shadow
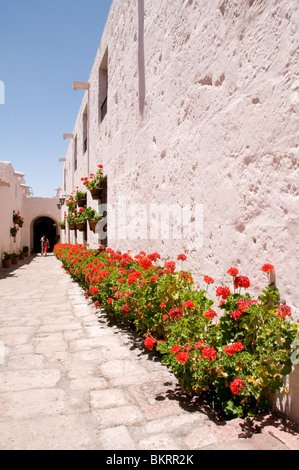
141 63
10 272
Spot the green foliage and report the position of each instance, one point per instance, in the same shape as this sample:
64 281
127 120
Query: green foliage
233 357
80 195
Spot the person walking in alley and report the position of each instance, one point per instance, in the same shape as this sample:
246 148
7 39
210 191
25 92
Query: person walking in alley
42 244
46 245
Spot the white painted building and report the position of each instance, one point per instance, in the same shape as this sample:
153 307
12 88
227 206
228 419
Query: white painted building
40 214
192 108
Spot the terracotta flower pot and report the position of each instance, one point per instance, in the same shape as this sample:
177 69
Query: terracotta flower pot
15 260
22 256
81 202
7 263
92 225
96 193
81 226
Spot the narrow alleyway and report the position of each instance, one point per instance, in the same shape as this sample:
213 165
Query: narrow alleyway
71 379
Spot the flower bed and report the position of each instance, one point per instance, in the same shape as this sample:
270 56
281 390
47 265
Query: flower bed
233 355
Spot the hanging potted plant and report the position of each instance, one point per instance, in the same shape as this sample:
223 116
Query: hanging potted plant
62 225
17 218
80 220
80 198
94 183
20 221
93 218
13 232
7 259
70 220
71 204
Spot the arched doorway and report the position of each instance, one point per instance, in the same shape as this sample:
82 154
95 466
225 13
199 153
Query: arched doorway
44 226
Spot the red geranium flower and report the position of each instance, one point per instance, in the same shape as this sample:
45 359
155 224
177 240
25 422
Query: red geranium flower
209 353
223 291
186 276
175 313
237 385
208 280
242 281
175 349
145 263
210 314
169 267
233 271
149 342
154 256
230 349
182 357
236 314
284 311
243 304
267 268
125 309
189 304
182 257
93 290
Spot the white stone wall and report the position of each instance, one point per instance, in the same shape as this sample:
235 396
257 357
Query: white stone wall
217 128
15 196
203 101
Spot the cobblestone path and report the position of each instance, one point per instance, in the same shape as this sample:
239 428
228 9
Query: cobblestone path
71 379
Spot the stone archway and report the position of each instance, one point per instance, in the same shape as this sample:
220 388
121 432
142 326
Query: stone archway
44 226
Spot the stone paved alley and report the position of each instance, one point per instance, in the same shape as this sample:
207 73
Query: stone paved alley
71 379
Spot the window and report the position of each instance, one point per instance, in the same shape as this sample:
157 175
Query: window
103 87
85 130
104 109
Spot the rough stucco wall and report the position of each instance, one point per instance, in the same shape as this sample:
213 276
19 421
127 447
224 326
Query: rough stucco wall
14 197
36 207
203 101
218 127
11 197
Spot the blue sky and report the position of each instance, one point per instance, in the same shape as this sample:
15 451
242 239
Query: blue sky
44 47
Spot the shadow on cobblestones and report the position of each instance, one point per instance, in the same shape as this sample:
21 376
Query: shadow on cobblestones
192 404
9 272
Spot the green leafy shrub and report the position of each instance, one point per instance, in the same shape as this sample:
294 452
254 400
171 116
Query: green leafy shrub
234 357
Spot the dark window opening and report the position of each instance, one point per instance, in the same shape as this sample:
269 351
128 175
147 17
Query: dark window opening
75 154
104 109
85 145
85 130
103 87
